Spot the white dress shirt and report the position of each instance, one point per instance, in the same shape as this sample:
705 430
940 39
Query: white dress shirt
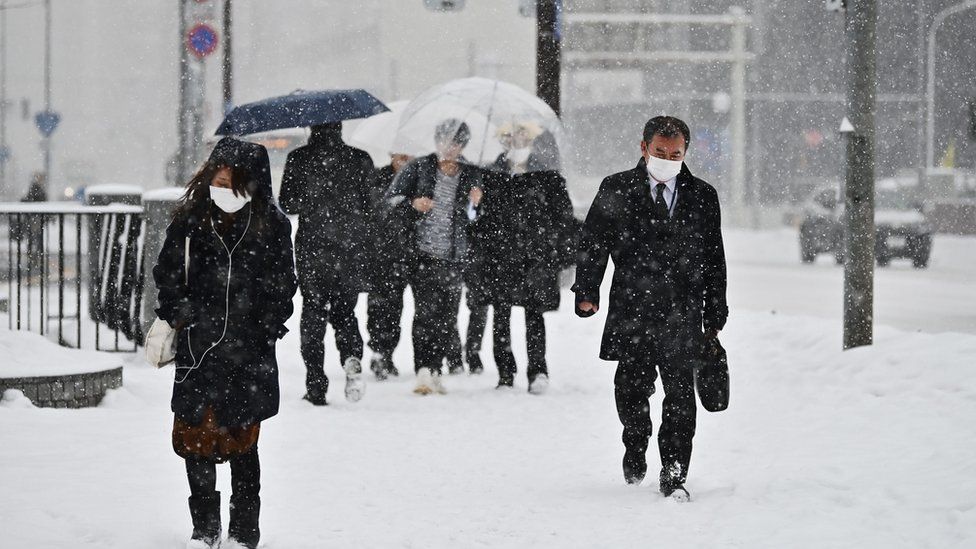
670 192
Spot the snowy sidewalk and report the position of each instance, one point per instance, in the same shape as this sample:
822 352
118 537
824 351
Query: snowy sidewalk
868 448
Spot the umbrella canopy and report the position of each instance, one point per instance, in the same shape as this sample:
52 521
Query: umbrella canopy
300 109
377 132
502 118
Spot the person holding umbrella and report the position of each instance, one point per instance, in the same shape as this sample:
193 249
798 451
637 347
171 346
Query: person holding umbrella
226 280
523 238
327 184
435 197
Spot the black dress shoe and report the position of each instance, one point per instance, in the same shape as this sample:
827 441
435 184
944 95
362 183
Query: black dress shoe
316 398
675 491
475 367
635 465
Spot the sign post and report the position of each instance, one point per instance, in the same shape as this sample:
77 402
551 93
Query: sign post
198 39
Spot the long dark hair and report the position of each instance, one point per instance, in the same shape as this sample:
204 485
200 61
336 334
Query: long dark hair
196 199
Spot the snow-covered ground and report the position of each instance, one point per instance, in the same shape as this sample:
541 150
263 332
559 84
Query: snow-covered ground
820 448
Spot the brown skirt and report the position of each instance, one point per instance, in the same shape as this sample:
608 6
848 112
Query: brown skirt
211 441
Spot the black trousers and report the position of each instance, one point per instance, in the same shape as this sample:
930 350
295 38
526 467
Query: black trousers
245 501
477 322
320 308
437 296
535 335
384 307
633 387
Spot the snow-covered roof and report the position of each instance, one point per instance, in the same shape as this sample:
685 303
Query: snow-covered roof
66 207
112 189
163 194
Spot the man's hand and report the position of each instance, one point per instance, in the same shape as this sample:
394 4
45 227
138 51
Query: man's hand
475 195
422 204
586 308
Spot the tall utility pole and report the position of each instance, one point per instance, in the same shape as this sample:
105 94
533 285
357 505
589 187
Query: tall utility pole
47 88
548 67
862 17
4 153
738 117
182 167
228 62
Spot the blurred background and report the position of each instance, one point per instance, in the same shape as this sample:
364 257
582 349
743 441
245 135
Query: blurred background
115 70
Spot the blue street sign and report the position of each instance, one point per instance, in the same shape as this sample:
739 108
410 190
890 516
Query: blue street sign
47 122
202 40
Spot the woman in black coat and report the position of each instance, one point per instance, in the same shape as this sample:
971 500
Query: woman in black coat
523 238
226 280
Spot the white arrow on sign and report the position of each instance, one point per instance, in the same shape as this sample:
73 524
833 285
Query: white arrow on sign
846 126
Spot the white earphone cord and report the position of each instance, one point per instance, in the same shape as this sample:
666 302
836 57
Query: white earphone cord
230 265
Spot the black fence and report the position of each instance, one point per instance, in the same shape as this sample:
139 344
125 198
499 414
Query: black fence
75 271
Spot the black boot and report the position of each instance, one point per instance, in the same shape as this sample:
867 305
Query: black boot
635 465
244 513
205 513
245 503
316 387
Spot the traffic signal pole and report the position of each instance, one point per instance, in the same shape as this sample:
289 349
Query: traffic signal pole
548 53
861 20
228 61
47 90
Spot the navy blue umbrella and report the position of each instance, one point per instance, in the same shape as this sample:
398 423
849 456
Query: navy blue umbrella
300 109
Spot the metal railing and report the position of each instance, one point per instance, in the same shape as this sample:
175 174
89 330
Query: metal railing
56 252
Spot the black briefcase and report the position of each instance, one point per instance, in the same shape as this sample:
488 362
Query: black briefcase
712 377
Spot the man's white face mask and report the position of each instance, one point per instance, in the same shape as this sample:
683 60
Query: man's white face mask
661 169
226 200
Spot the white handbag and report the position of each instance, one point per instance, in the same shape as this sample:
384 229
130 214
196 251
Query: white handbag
160 341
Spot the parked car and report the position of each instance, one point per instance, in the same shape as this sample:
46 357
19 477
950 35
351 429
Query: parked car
901 230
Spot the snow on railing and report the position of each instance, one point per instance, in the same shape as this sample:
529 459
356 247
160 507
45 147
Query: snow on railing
45 274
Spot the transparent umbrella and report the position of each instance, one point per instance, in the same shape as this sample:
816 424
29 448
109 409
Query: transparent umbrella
510 128
376 133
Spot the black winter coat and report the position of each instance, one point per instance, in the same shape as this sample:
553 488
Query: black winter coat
327 184
238 297
523 237
387 254
418 179
669 276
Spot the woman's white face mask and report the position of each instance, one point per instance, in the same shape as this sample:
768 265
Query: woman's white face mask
520 155
661 169
226 200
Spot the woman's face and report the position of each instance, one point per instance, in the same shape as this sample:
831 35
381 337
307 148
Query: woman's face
223 178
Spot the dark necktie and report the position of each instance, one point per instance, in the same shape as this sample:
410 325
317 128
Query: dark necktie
659 203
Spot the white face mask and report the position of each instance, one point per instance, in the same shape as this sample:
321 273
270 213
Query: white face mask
661 169
226 200
519 156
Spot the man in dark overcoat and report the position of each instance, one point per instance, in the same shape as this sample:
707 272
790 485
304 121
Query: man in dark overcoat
327 183
662 227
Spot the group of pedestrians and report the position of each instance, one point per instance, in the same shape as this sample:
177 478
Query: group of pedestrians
437 224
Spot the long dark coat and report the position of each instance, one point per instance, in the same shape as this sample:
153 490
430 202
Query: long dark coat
418 179
327 184
250 288
523 238
387 254
669 275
